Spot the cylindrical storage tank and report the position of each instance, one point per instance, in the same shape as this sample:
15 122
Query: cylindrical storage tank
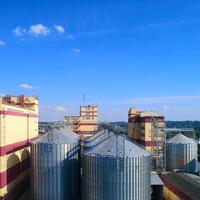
55 167
116 169
97 139
181 154
95 136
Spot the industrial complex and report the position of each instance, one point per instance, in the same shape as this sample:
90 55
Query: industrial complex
74 160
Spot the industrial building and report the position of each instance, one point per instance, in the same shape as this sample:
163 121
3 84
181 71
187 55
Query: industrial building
86 123
18 126
114 168
147 129
55 166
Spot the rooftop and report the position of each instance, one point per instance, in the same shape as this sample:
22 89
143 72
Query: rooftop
183 184
111 145
155 179
58 136
181 139
149 114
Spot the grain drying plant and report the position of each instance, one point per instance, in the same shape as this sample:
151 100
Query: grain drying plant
181 154
116 169
55 166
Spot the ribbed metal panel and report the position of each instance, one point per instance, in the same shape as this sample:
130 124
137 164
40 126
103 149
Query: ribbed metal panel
97 139
55 167
181 154
95 136
112 175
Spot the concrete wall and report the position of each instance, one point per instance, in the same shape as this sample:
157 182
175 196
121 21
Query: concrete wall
18 126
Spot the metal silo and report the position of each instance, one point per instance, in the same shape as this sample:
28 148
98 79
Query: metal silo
95 136
116 169
97 139
181 154
55 168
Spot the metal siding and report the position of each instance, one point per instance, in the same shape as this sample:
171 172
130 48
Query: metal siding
109 178
181 157
55 171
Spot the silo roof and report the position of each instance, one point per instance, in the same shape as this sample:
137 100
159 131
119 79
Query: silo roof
97 135
117 145
58 136
98 139
181 139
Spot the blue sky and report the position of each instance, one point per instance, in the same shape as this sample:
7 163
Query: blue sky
119 53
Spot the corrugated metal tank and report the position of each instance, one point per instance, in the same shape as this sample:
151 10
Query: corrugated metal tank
116 169
55 167
96 139
95 136
181 154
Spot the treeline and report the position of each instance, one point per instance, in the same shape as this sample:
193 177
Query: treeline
185 124
169 124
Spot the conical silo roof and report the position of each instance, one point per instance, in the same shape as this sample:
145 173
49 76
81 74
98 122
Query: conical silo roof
181 139
100 138
69 132
58 136
95 136
117 145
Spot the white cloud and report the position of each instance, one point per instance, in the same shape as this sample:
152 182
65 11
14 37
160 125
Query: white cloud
19 31
70 36
165 107
2 95
59 28
76 51
60 109
170 108
2 43
38 29
26 86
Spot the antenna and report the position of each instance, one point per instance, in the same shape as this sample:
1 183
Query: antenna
84 98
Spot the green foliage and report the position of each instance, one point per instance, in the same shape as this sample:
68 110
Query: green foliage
185 124
169 124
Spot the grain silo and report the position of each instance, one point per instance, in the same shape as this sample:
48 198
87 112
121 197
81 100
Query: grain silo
116 169
181 154
55 168
96 139
95 136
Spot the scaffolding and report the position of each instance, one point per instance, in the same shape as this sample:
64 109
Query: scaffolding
158 146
